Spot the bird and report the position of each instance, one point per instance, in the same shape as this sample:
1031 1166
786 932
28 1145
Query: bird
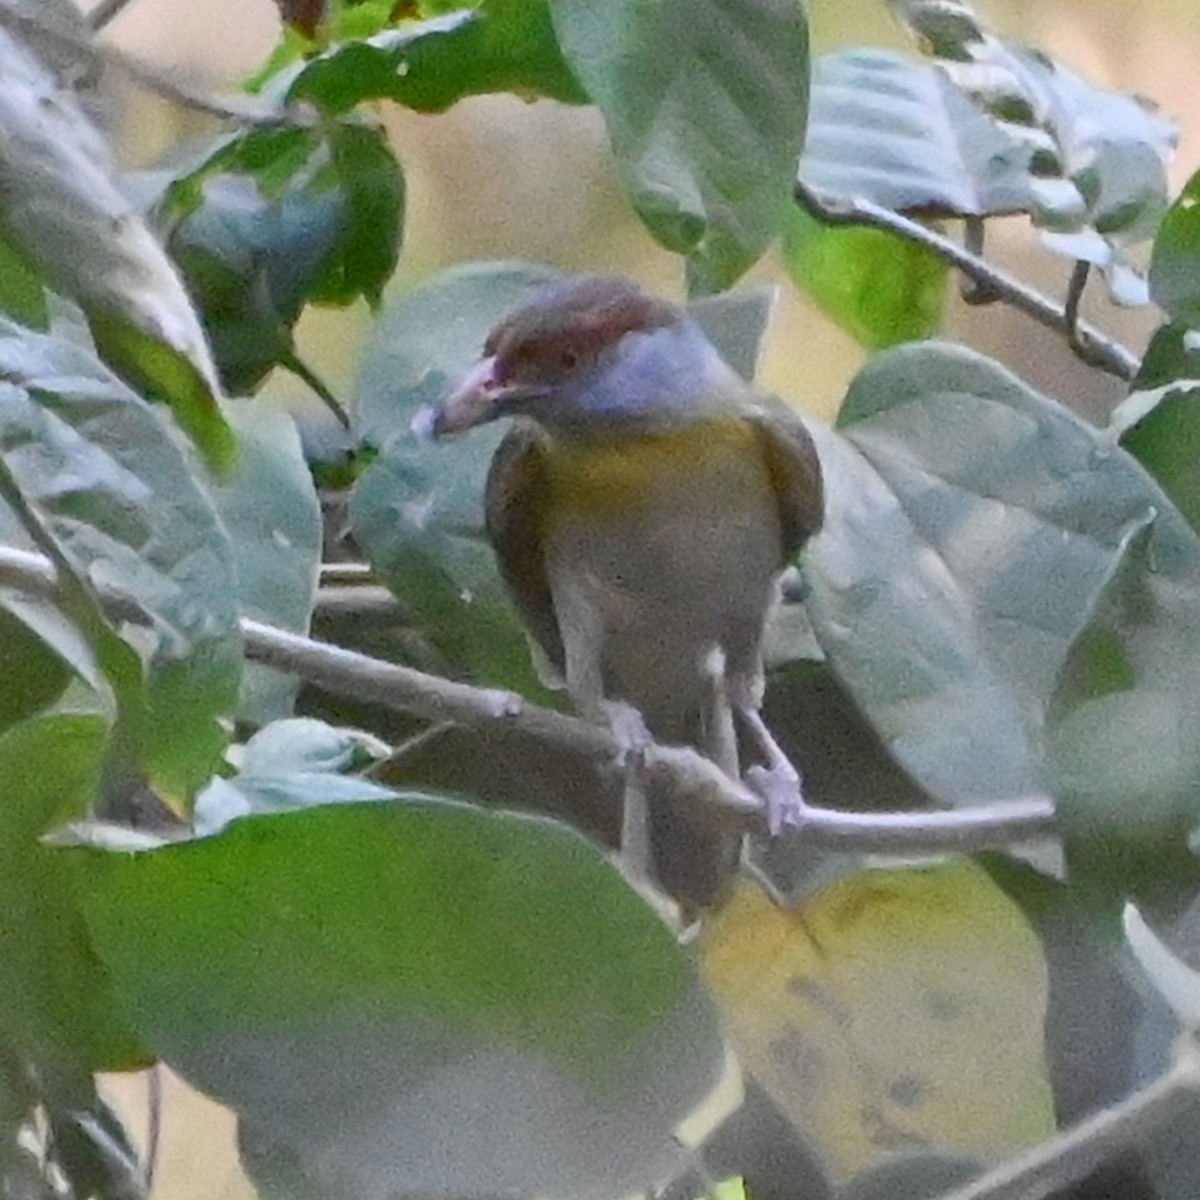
642 507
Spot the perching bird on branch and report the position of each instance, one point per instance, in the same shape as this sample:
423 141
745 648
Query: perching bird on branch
642 508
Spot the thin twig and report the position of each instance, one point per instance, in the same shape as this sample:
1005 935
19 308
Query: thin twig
1080 274
1100 350
243 110
974 291
105 12
154 1107
291 361
1077 1152
684 771
360 600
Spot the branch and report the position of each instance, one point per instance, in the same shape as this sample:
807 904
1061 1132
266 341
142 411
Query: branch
1096 348
105 12
680 769
243 110
1077 1152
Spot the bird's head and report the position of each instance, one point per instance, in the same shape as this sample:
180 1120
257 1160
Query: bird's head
588 353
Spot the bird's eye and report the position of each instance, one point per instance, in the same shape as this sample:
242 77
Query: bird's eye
568 360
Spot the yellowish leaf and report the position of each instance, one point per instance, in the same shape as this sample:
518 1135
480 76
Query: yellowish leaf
893 1010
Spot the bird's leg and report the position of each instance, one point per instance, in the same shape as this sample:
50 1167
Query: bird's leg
632 737
585 681
778 782
719 735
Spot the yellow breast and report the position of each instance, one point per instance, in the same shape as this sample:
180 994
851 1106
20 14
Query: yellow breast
609 476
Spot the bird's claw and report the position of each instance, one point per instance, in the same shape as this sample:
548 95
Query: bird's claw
628 729
782 793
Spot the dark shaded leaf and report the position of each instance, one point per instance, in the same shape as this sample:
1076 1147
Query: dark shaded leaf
914 1176
416 997
277 219
65 213
99 481
58 1004
33 673
302 15
878 288
705 103
366 253
22 295
498 46
95 1153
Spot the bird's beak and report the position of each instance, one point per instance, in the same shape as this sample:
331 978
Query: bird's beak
474 401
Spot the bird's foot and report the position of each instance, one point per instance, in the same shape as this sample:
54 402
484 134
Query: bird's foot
778 782
628 729
782 793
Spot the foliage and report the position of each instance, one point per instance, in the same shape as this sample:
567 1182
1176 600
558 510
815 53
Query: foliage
391 954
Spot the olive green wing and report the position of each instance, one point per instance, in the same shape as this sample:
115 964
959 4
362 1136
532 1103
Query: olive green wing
794 469
514 497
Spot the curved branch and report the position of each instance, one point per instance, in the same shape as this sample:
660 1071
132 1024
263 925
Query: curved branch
684 771
1076 1153
1096 348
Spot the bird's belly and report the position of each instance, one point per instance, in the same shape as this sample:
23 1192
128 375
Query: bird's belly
682 564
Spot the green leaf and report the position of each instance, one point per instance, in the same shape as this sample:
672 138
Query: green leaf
900 133
497 46
1159 424
1115 148
970 523
58 1004
270 509
290 764
1175 261
705 103
1104 148
417 511
415 998
274 220
1123 747
365 256
22 295
736 323
33 673
65 214
880 289
99 482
